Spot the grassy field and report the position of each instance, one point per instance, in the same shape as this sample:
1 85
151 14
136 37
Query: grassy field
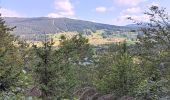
94 38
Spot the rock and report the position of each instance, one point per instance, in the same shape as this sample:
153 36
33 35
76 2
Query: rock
86 95
126 98
107 97
33 92
95 96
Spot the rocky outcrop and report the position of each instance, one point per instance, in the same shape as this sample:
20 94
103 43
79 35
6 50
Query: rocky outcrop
107 97
87 94
33 92
96 96
91 94
126 98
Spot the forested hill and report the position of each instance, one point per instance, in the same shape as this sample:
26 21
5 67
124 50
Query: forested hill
40 25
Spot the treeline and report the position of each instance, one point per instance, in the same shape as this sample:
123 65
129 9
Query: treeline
57 25
76 70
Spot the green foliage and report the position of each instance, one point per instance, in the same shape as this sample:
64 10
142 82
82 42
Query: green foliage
77 55
118 73
11 62
58 72
138 70
153 51
46 72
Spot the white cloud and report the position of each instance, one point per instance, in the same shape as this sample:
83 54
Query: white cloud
153 4
133 10
54 15
140 18
129 2
101 9
9 13
63 5
122 20
135 13
63 8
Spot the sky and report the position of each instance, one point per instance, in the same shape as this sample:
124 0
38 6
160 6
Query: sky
113 12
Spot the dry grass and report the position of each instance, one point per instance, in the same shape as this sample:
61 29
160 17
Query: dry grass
94 39
97 40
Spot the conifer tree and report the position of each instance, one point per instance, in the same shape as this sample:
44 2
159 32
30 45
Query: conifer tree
45 70
57 70
76 56
11 63
117 73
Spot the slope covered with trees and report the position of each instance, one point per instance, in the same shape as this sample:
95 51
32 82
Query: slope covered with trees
76 70
40 25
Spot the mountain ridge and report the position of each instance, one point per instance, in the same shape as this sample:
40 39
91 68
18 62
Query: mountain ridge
55 25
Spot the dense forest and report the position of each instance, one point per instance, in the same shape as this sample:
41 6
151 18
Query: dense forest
77 70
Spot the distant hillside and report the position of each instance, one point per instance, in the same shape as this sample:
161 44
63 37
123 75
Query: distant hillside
33 29
55 25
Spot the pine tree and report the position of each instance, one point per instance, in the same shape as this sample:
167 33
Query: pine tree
57 70
76 54
10 61
45 70
117 73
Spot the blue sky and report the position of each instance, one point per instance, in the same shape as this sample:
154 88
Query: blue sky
102 11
